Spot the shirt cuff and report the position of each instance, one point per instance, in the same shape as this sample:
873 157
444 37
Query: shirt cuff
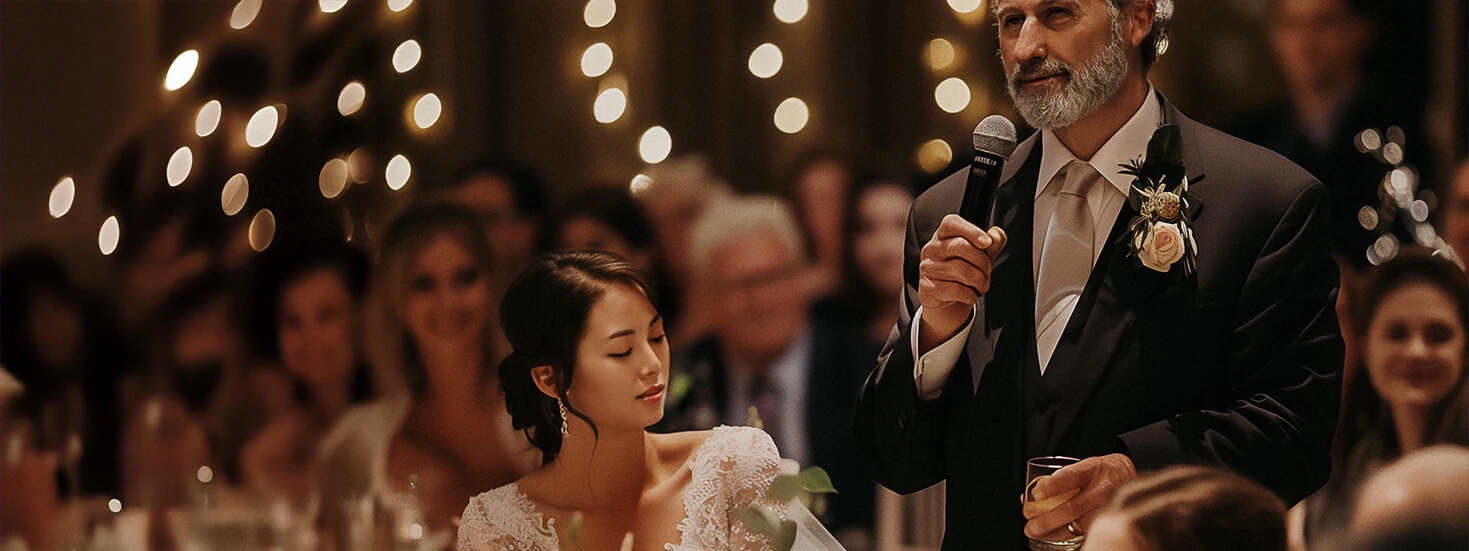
931 370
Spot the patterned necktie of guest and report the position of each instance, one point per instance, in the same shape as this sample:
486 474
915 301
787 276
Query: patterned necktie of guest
1066 258
766 399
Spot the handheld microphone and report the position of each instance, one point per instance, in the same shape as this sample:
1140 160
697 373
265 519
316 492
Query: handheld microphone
994 141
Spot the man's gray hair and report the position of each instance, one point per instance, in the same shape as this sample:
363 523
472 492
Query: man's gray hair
1157 40
739 217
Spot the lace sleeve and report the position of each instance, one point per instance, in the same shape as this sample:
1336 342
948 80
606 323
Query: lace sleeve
504 519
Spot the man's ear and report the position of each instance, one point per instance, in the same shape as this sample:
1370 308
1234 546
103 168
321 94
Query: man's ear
1140 17
545 379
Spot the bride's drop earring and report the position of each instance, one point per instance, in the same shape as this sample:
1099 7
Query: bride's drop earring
563 416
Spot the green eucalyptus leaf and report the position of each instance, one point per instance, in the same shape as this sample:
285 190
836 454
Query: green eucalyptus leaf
679 387
816 481
785 538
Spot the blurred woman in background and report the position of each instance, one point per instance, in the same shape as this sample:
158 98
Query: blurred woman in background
308 298
1408 390
445 436
877 220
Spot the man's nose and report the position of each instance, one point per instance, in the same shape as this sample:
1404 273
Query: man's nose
1031 43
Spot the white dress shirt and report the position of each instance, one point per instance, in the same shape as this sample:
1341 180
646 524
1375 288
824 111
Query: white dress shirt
931 370
790 373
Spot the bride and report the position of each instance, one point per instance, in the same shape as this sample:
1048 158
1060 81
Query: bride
587 376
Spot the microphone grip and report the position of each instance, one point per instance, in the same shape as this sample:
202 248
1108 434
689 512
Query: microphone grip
979 191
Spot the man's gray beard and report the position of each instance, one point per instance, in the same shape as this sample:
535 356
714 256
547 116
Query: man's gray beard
1086 89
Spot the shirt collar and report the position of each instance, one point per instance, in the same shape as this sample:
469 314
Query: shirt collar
1127 144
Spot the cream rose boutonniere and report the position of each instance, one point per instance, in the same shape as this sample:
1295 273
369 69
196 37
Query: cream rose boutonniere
1160 235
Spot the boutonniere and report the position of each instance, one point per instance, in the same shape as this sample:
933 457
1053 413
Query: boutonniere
1161 235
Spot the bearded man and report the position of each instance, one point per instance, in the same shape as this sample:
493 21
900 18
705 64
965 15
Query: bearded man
1191 324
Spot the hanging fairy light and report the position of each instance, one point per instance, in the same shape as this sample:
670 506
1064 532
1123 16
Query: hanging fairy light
639 184
766 60
244 14
181 70
262 232
610 105
965 6
62 195
791 115
262 125
599 13
596 60
331 6
236 191
426 110
208 118
333 178
934 155
790 11
655 145
399 5
179 166
398 172
940 53
351 98
406 56
108 237
952 95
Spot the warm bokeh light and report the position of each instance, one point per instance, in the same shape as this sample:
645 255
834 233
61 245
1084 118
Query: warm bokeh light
398 172
399 5
610 105
640 183
952 95
791 115
406 57
107 238
966 6
655 145
62 194
940 54
244 14
426 110
114 505
790 11
179 166
351 98
333 178
208 118
261 127
331 6
359 165
596 60
236 192
599 13
766 60
181 70
934 155
262 232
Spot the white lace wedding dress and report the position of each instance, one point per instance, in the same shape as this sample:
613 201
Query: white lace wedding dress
731 470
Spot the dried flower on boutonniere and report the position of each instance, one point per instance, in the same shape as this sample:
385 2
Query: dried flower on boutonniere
1161 235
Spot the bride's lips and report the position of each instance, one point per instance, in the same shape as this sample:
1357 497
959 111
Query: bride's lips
653 393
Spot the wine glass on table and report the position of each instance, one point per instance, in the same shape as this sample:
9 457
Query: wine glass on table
1036 469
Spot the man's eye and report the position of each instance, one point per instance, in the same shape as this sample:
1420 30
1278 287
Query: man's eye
1012 21
1057 14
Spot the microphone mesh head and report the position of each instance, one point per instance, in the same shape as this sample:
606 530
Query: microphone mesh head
995 134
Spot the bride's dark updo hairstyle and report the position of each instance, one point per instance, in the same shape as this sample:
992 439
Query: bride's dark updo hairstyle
544 316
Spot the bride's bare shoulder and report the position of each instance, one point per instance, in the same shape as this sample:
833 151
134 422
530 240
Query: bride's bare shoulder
678 447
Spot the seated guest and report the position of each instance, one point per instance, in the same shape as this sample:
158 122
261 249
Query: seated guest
1408 390
1456 215
612 221
675 194
1190 508
308 297
876 221
772 352
443 435
1416 501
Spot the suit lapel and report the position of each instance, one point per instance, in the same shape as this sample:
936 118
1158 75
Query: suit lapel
1114 296
1001 311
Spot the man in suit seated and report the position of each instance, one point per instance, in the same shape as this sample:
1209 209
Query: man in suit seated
773 351
1048 334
